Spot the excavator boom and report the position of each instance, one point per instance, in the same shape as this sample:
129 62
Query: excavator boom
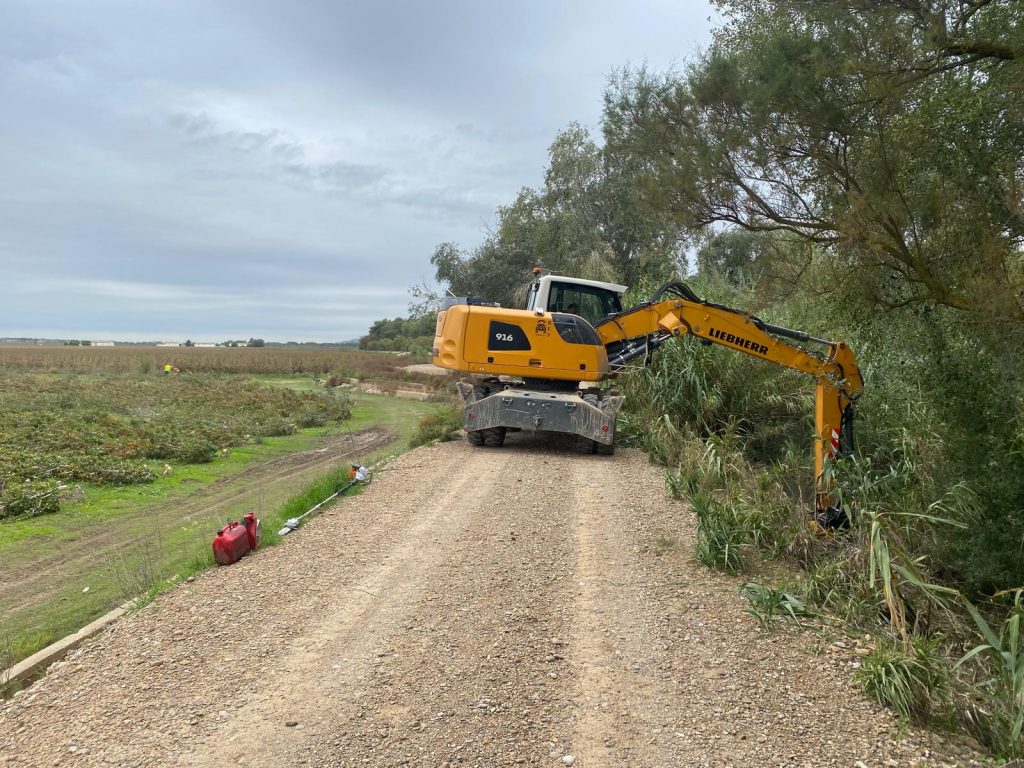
640 329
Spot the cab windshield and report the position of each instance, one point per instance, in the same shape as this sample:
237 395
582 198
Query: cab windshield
588 302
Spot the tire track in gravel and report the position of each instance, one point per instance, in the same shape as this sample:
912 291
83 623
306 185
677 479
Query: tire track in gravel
632 711
478 676
464 665
612 727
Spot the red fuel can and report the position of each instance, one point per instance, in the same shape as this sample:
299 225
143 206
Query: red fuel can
252 529
231 542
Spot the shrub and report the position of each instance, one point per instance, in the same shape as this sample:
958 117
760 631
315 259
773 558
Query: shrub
441 426
311 416
274 427
193 449
99 429
909 681
999 719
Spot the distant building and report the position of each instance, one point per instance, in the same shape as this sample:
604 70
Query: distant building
168 343
203 344
103 343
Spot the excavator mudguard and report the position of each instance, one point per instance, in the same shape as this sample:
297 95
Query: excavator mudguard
539 411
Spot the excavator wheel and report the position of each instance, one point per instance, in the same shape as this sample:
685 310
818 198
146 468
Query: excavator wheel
585 444
494 437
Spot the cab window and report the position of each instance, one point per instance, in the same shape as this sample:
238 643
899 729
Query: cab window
588 302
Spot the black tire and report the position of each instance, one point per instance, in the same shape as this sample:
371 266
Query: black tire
585 444
478 437
494 437
605 450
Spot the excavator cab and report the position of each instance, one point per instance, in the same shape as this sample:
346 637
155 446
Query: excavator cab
590 299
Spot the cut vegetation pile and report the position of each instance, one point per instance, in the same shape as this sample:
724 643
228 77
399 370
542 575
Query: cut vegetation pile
120 430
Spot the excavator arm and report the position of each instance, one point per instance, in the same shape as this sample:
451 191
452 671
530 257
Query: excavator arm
674 310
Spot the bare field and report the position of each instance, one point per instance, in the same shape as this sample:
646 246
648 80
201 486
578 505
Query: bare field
256 360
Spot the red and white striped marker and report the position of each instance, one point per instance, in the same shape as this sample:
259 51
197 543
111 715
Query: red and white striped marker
835 444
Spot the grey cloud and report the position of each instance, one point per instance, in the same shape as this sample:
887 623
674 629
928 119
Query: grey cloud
197 168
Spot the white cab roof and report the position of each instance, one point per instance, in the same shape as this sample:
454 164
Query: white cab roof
619 289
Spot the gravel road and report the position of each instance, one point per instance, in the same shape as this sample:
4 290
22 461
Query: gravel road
473 607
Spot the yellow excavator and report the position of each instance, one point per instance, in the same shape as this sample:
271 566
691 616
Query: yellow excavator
537 368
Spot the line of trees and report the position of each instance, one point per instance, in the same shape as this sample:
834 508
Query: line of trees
415 334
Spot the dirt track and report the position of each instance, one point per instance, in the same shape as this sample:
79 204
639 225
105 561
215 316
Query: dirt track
473 607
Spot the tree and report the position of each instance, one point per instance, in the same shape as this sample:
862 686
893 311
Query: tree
413 334
588 220
877 148
737 255
256 343
889 135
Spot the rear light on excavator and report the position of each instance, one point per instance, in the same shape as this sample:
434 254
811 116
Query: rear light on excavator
470 415
604 427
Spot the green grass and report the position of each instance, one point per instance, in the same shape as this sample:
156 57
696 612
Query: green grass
910 679
298 383
400 416
999 724
765 603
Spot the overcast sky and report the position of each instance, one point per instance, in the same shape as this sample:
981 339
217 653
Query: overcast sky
213 169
